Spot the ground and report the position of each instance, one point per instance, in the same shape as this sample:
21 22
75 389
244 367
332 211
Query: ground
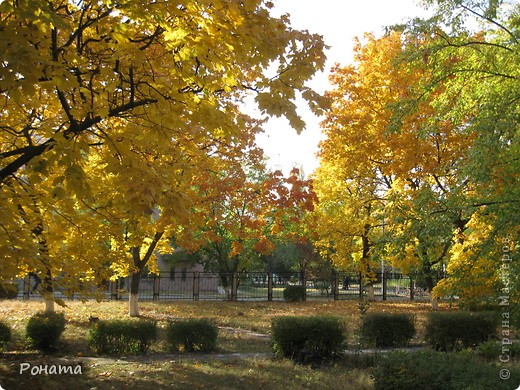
244 359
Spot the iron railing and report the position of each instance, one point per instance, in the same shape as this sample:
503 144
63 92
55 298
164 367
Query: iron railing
249 286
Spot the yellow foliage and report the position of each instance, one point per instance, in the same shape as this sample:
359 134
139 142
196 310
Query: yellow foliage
111 113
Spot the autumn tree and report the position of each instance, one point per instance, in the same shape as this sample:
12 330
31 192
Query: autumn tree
430 112
242 215
383 167
110 107
348 220
480 42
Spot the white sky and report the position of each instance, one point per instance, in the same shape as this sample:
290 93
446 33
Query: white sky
339 21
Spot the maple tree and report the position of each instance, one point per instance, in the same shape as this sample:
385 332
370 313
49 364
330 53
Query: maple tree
483 82
389 173
347 221
423 133
243 212
110 108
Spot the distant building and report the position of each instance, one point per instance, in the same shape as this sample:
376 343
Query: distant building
183 271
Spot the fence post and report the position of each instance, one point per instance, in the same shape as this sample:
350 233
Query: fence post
411 288
269 286
234 286
385 282
156 287
196 285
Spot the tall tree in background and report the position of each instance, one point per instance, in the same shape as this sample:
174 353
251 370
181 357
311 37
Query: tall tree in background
110 107
431 113
386 167
480 40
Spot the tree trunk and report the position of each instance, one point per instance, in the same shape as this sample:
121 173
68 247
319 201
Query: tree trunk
139 264
133 298
49 304
371 295
430 284
48 292
365 260
435 302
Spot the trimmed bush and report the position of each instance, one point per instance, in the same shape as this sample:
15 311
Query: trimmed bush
8 291
439 371
383 330
45 329
5 334
190 335
307 339
120 337
294 293
452 331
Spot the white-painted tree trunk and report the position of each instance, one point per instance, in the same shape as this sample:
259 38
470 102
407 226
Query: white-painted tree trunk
435 302
133 305
49 303
371 295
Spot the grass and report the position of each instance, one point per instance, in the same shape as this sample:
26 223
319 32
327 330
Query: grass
244 328
192 374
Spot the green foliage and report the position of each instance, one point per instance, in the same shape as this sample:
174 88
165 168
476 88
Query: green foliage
493 350
197 334
439 371
122 336
5 334
8 291
451 331
303 338
387 329
45 329
294 293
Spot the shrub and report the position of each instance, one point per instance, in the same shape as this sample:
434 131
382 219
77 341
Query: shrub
307 338
294 293
451 331
494 350
438 371
8 291
192 335
387 330
122 336
45 329
489 350
5 334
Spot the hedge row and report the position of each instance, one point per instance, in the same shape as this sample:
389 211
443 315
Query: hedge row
299 338
440 371
320 337
135 337
119 336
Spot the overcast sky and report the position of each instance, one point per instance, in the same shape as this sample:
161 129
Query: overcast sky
339 21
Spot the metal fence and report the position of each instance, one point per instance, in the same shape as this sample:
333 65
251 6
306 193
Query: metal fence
250 286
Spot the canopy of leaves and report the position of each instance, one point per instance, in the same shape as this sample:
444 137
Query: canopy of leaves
111 109
421 156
